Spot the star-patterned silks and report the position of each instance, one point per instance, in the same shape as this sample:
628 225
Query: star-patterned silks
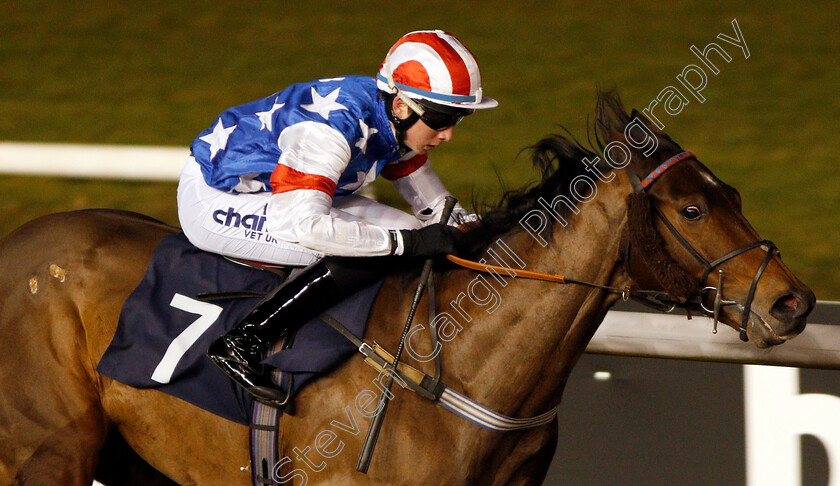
324 105
252 147
366 133
362 179
266 116
218 138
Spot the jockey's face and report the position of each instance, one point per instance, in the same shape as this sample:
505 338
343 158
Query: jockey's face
420 137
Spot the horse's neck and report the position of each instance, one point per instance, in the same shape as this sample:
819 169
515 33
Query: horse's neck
517 358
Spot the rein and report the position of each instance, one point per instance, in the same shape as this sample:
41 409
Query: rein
527 274
433 389
656 299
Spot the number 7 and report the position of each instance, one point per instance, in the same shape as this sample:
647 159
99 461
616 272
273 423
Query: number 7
208 313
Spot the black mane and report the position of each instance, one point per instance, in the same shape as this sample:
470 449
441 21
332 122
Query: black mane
559 159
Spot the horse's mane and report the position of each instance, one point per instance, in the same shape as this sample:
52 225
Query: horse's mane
559 159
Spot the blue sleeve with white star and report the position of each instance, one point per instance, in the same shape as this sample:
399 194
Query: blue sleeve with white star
240 149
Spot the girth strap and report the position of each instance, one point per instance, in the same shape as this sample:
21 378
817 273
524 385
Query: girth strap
265 424
428 387
265 427
484 417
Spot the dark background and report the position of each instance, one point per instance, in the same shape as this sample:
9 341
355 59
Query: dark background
667 422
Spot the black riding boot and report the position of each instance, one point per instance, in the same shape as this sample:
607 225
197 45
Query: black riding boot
320 286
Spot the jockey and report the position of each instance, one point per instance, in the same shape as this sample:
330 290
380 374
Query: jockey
276 181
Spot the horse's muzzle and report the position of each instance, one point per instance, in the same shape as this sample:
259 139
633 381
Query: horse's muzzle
791 311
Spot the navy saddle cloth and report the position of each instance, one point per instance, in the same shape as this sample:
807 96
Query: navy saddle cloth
164 331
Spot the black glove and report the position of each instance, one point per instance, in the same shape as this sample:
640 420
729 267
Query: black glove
435 239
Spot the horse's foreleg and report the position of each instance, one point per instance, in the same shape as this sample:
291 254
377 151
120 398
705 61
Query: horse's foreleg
119 465
52 424
527 463
69 455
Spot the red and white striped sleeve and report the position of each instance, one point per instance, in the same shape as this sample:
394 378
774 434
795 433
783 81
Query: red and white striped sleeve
418 183
303 184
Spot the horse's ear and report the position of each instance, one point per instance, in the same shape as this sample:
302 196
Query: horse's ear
607 133
653 126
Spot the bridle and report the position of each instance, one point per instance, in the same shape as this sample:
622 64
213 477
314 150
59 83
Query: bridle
709 266
657 299
432 388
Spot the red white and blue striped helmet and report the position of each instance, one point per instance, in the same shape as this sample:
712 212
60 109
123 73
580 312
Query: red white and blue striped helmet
435 67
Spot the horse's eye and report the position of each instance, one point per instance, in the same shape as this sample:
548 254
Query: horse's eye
691 213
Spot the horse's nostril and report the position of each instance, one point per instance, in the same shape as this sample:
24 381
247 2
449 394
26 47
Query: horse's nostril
792 306
789 302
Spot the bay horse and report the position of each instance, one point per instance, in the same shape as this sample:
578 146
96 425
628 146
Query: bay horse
64 277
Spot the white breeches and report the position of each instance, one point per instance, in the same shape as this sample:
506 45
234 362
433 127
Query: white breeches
235 224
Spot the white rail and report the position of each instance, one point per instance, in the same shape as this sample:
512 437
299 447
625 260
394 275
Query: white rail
95 161
658 335
622 333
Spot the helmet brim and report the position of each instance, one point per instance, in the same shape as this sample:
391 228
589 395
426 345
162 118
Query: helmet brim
419 95
484 104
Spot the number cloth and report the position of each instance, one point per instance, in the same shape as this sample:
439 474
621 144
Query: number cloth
164 331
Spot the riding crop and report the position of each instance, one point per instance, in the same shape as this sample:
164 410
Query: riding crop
376 424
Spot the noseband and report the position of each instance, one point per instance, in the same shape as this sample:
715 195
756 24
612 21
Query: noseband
670 298
640 186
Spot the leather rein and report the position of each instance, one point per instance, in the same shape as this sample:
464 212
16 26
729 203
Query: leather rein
432 387
657 299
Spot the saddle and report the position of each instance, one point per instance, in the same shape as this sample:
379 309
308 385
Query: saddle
187 299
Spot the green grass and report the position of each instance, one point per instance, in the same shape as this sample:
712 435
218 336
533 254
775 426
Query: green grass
158 72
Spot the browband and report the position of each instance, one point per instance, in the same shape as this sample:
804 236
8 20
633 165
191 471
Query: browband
663 167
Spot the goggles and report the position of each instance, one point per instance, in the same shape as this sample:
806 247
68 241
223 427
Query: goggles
440 121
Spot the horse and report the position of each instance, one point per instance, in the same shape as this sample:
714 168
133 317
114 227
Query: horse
511 343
